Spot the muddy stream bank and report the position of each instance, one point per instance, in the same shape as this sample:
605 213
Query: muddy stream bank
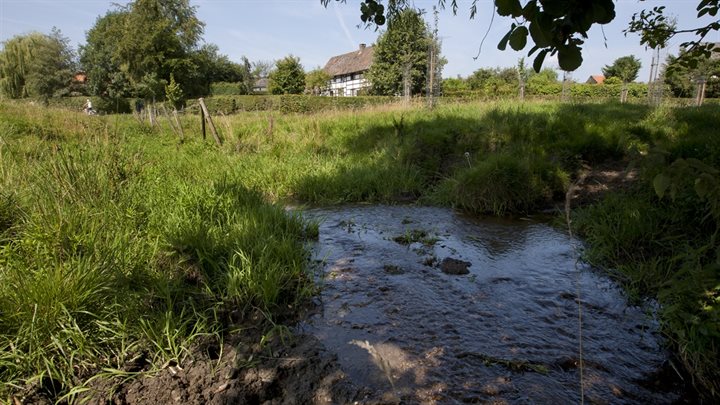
422 305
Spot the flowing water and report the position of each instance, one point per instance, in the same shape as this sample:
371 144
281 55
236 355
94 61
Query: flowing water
505 332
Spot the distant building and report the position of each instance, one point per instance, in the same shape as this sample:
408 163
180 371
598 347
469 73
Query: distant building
347 72
261 85
596 79
79 77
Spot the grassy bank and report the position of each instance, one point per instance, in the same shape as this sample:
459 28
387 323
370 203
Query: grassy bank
115 244
660 239
115 238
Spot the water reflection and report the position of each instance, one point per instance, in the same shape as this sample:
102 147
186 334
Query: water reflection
505 332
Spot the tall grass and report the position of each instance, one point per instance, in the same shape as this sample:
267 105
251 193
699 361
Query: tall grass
120 244
663 244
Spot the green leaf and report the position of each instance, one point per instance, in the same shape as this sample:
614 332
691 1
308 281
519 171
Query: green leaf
539 59
530 10
661 182
603 11
569 57
518 38
556 8
509 7
504 41
539 35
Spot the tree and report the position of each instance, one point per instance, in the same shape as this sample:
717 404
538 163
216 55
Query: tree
401 56
36 65
98 58
173 93
559 27
209 66
544 77
288 77
316 80
682 79
129 45
261 69
625 68
454 84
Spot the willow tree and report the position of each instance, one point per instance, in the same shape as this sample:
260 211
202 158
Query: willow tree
35 65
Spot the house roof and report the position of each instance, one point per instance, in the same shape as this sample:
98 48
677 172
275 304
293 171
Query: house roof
599 79
351 62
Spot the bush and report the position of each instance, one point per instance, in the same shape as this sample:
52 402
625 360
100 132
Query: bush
507 183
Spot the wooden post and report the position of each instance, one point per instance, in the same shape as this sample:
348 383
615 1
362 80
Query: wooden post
210 122
179 125
202 122
270 127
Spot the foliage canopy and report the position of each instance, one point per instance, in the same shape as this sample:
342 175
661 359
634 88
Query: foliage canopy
402 50
625 68
35 65
560 27
288 77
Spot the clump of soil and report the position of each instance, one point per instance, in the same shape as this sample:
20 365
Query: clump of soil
594 182
293 372
285 369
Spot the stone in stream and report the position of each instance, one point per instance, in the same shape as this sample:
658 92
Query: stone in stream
454 266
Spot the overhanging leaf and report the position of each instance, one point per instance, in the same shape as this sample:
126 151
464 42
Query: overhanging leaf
539 59
518 38
569 57
538 34
504 41
508 7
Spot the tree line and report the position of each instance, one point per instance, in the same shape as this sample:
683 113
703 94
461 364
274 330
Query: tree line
151 49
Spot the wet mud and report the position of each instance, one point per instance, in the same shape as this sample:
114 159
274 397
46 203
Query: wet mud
422 305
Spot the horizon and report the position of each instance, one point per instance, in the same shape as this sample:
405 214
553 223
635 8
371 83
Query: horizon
272 29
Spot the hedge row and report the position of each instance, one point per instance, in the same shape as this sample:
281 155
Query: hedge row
287 103
581 90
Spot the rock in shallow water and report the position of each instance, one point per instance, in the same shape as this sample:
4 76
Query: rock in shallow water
454 266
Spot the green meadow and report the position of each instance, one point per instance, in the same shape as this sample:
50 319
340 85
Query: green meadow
116 238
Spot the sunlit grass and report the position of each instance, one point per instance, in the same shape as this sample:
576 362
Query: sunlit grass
116 238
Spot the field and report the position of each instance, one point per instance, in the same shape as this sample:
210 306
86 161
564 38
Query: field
117 239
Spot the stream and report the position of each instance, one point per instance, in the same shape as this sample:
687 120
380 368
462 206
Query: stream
424 305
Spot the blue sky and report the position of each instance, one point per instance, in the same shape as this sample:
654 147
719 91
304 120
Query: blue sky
272 29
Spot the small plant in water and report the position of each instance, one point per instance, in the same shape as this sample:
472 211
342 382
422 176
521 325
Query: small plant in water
416 235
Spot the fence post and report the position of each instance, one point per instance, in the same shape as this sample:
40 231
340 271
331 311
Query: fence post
210 122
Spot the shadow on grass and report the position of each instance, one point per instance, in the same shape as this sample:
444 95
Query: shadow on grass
513 149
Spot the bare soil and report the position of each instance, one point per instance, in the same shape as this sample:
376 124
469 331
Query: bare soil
594 182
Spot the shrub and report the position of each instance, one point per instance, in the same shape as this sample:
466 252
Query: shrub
507 183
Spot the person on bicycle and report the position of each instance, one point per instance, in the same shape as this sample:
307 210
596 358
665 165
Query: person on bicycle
87 107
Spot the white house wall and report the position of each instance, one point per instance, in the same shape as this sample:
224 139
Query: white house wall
347 85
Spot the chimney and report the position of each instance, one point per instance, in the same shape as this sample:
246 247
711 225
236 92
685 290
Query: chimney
362 46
